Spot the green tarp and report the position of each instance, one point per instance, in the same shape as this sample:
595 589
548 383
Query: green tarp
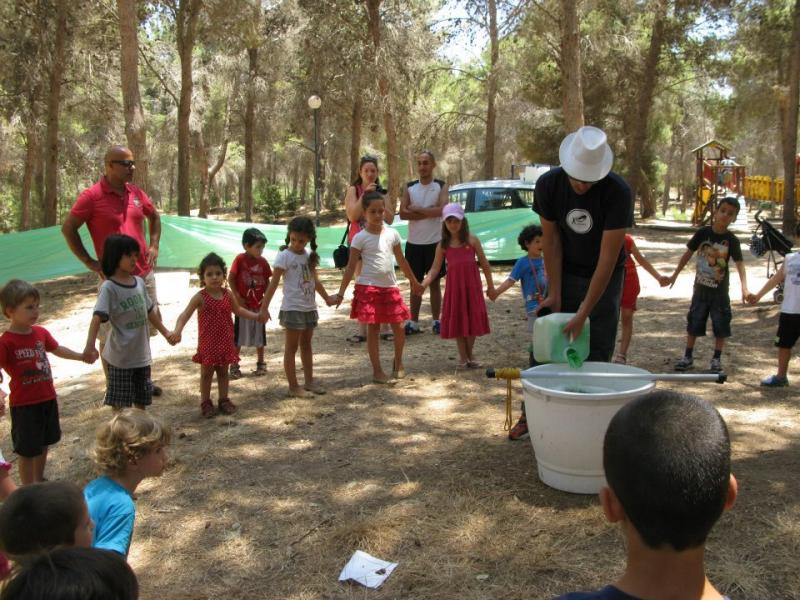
43 254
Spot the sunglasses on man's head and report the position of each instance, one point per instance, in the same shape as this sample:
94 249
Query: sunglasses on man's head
125 163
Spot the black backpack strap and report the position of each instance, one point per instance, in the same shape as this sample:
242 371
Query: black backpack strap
346 231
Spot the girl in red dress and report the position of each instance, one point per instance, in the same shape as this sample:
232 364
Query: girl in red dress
463 309
377 298
216 349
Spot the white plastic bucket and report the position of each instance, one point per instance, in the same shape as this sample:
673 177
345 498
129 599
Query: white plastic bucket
568 418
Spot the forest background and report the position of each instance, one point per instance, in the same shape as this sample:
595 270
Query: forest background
211 95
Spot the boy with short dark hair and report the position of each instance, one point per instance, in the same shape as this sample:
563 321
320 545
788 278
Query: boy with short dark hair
715 245
248 279
23 355
667 460
529 271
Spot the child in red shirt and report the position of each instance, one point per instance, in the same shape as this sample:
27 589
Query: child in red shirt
248 280
23 355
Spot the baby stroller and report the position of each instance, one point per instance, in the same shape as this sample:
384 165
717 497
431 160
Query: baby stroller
767 240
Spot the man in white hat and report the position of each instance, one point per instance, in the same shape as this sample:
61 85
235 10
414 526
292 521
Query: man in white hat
585 210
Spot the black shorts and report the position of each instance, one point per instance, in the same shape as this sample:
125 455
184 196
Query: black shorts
420 259
788 330
713 303
126 387
34 427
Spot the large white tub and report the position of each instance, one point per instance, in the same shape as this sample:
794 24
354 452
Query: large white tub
568 418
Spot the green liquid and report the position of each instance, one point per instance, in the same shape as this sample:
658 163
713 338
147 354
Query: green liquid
573 358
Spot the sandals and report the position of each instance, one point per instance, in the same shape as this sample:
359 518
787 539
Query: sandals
207 409
398 373
387 337
356 338
315 388
235 372
620 359
261 369
226 407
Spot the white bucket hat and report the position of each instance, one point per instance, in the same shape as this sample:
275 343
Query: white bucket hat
585 154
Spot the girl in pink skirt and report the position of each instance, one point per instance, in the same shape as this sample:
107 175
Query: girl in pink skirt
377 298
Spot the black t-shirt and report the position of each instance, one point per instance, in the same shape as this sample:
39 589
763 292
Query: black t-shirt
581 220
714 252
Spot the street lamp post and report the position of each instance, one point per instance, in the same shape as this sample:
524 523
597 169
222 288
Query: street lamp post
314 102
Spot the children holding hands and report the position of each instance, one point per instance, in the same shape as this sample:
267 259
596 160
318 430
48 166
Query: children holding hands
23 355
123 302
377 298
248 280
464 314
714 246
216 348
298 313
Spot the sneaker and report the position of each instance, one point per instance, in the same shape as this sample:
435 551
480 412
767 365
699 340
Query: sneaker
520 430
684 364
775 381
411 327
235 371
716 365
436 328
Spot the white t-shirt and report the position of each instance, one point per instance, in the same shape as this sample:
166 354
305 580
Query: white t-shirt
377 251
126 307
424 231
298 281
791 284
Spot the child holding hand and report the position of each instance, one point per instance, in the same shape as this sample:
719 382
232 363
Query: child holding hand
298 315
124 303
464 314
248 280
23 355
789 320
216 349
377 298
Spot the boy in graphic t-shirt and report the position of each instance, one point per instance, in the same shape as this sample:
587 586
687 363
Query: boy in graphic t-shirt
714 247
23 355
248 279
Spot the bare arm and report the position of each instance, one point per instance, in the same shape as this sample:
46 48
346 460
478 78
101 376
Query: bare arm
506 285
195 303
355 256
776 278
433 272
610 245
485 267
91 337
640 258
352 205
240 310
154 316
155 237
743 279
64 352
321 288
406 212
277 273
681 263
70 232
553 264
232 286
406 269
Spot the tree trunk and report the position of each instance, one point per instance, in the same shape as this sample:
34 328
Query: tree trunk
571 86
639 120
491 93
31 158
789 130
355 136
135 127
392 157
53 108
186 25
201 158
249 126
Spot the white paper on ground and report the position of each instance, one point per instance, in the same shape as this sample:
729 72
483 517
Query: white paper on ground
367 570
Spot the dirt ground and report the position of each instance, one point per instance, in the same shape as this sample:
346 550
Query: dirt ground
272 502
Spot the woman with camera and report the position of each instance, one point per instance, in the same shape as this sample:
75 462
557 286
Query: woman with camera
366 181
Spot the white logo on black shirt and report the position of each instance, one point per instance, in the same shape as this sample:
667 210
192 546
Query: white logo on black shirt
579 220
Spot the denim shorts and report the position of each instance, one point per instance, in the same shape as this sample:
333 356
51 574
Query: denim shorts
705 303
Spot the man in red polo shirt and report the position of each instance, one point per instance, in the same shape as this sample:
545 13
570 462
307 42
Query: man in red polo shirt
115 205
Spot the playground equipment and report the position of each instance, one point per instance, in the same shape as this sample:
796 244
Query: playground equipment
717 175
569 411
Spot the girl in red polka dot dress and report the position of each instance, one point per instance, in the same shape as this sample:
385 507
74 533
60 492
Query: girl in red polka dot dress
216 349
